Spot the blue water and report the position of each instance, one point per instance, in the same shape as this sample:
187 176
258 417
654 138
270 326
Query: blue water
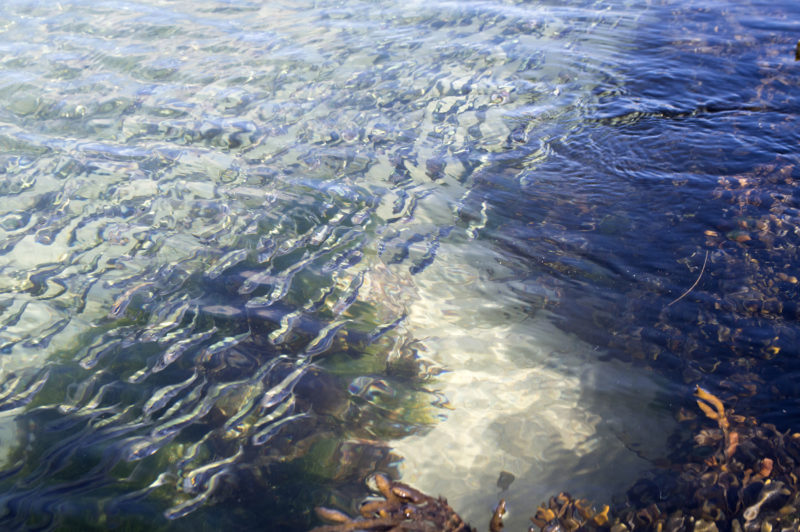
246 246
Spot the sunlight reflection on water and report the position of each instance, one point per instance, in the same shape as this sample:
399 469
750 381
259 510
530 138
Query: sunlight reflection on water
238 238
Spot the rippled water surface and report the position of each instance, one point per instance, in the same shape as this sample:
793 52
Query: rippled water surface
252 252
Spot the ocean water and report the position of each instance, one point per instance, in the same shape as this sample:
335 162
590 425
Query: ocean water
251 253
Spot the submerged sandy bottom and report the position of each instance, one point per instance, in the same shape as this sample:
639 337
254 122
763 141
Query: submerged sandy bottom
526 398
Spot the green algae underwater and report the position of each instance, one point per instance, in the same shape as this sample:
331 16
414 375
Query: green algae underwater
262 259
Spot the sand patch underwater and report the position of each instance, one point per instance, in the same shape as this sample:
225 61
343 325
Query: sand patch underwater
525 398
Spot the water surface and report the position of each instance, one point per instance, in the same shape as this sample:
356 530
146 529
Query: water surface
252 253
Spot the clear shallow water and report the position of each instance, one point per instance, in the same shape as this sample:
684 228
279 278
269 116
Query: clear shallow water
249 250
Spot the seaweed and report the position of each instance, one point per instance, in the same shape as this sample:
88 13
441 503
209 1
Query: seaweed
741 476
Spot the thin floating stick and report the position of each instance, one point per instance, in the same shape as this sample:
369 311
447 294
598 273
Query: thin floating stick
695 283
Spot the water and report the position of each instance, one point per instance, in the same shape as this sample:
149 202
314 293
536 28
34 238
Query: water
251 253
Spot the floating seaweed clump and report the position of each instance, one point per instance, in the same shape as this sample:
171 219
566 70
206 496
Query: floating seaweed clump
742 476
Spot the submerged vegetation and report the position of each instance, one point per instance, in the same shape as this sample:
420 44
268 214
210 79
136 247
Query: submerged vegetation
207 394
209 264
741 475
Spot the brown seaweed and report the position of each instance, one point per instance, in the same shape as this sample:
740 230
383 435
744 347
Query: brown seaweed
744 476
402 508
